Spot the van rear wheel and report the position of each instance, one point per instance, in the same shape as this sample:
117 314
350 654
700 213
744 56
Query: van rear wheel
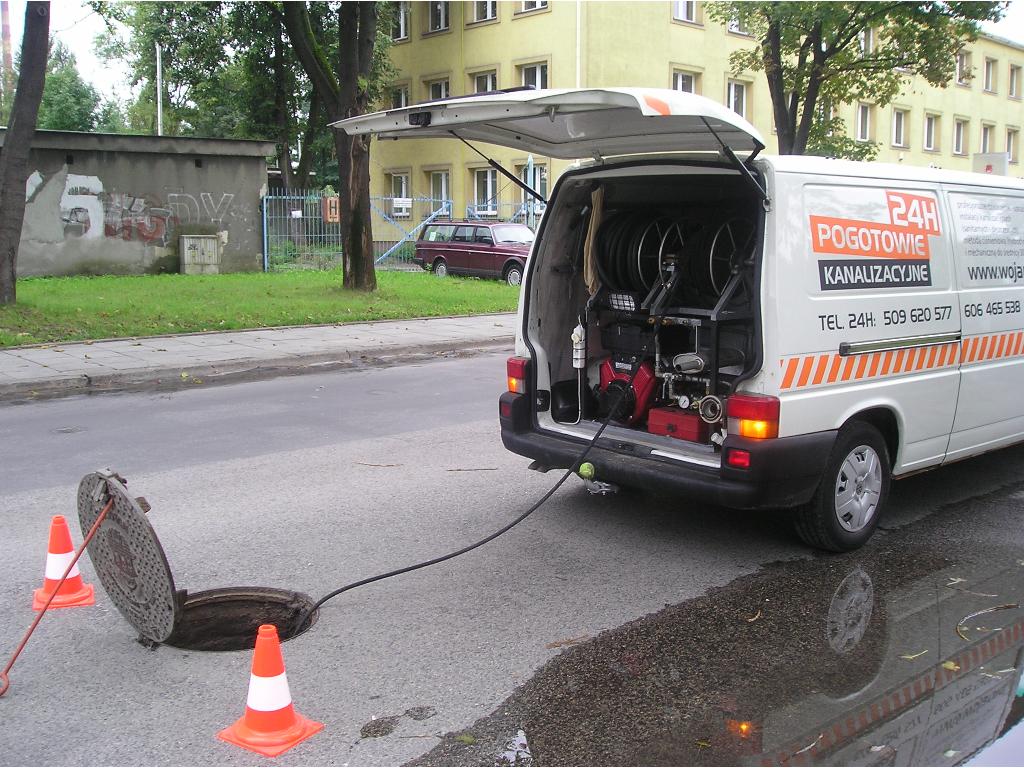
441 268
845 509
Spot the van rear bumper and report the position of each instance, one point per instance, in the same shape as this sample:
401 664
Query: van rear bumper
784 472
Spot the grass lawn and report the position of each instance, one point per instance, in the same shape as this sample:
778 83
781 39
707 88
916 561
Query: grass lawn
52 309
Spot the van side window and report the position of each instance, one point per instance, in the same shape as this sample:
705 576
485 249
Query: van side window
483 236
463 235
438 233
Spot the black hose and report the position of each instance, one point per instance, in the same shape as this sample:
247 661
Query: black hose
304 618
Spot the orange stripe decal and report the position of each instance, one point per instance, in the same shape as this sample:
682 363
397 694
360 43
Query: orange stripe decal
657 105
943 351
820 373
805 372
886 362
898 365
983 351
876 360
787 379
922 353
833 372
848 368
931 356
861 366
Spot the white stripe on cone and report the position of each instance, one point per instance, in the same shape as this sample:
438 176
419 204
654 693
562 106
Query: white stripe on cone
268 694
56 564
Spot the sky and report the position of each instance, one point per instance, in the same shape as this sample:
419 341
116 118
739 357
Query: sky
77 26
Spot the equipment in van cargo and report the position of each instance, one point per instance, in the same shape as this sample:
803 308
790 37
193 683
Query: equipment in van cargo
814 327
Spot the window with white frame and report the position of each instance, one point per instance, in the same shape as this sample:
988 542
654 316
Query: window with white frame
485 81
963 68
400 96
440 188
863 122
866 41
533 5
483 10
400 27
485 192
736 97
538 182
535 75
931 132
1014 88
684 81
959 137
438 16
438 89
685 10
1013 144
990 75
737 26
987 131
401 203
899 127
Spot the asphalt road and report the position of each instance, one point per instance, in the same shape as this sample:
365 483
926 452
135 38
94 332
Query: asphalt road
310 482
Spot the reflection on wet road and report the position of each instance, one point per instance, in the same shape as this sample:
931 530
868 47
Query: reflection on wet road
908 652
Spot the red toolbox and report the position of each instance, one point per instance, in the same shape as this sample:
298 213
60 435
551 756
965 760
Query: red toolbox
677 423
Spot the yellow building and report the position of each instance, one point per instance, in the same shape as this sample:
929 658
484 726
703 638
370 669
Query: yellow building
446 49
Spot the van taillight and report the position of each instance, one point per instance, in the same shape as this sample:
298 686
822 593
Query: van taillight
753 416
517 369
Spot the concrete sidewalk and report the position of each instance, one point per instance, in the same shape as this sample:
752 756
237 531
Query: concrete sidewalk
167 362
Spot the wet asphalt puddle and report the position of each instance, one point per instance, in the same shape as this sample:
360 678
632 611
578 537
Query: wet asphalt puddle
889 655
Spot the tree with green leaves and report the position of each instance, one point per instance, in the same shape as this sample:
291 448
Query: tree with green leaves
69 102
344 55
819 54
18 142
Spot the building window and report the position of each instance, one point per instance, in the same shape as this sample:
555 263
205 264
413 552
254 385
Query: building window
400 97
485 81
685 10
485 191
738 27
684 81
736 97
484 10
899 127
986 138
963 68
535 75
990 75
532 5
401 204
538 182
438 89
866 41
400 29
438 16
1014 82
959 137
439 187
931 132
863 122
1013 144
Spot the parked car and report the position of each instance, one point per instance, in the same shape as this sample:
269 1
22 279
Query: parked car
480 249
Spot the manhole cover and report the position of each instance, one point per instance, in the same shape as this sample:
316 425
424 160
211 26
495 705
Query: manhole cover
133 569
127 556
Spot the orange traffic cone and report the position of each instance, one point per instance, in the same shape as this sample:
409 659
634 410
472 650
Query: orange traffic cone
73 592
270 724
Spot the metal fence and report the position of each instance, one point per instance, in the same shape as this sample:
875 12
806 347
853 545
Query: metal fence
302 228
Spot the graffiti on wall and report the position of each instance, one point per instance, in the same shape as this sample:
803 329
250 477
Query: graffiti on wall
88 211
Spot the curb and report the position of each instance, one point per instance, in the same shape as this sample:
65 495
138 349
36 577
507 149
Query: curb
177 378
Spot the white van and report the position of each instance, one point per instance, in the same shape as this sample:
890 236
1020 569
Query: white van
757 331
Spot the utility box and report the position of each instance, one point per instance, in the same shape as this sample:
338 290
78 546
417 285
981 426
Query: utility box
200 254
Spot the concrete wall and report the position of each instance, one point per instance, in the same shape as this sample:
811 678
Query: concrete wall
108 204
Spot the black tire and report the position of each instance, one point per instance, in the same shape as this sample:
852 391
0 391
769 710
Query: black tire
440 268
514 275
859 470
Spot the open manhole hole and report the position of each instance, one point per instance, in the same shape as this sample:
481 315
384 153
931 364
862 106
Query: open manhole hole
133 569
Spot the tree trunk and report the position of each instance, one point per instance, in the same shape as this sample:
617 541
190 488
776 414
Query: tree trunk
356 232
282 114
18 142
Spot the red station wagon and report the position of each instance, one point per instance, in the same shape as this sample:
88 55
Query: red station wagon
481 249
